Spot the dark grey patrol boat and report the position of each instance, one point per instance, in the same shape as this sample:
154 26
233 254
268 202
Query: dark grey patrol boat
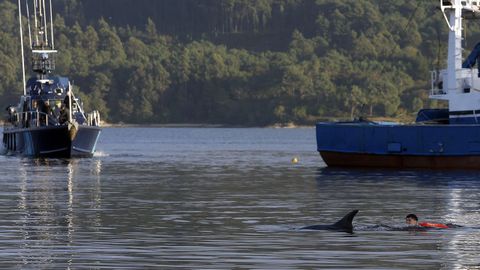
49 120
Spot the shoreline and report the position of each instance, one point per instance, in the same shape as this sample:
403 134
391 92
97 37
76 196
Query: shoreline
189 125
186 125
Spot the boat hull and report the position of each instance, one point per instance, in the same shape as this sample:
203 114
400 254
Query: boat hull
367 144
52 141
338 159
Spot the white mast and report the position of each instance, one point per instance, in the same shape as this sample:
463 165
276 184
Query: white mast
21 47
45 32
454 46
35 4
29 27
51 25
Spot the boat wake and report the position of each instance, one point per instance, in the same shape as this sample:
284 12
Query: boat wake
382 228
101 154
387 228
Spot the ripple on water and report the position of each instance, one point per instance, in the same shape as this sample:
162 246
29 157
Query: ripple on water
225 199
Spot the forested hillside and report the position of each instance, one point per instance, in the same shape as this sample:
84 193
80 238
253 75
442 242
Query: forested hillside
244 62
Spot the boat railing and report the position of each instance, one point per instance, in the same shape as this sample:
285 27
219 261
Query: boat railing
93 118
33 119
436 83
40 65
470 8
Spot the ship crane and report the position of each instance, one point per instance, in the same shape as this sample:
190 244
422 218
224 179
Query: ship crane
440 138
459 83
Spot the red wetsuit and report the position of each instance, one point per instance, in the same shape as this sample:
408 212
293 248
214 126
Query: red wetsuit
433 225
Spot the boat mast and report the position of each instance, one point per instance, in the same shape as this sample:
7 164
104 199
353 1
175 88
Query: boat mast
28 21
454 61
35 18
21 47
42 48
454 11
51 25
41 30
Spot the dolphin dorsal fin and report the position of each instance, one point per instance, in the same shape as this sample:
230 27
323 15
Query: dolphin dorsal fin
346 221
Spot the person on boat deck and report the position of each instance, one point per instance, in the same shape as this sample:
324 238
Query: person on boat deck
56 109
44 109
65 111
412 220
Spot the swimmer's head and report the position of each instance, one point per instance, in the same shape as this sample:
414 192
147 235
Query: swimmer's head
411 219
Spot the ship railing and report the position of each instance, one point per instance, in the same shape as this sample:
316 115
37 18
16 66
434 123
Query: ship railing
434 76
43 60
35 119
40 66
467 4
93 119
435 83
470 7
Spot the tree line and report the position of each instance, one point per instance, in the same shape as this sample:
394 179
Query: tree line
243 62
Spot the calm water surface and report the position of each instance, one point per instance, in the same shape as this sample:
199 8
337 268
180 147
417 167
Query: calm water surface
161 198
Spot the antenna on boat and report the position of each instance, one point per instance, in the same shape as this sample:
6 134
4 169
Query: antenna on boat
43 48
35 18
21 47
51 25
28 21
45 29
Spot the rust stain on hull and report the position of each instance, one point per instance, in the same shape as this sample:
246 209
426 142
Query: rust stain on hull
336 159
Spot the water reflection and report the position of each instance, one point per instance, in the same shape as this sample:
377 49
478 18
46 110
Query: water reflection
70 213
50 193
22 206
453 179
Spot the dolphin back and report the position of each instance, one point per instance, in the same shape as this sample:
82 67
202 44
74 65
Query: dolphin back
346 222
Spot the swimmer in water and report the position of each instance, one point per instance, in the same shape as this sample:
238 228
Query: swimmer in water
412 220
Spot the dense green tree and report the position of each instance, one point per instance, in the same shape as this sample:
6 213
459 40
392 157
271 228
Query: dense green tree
250 62
110 47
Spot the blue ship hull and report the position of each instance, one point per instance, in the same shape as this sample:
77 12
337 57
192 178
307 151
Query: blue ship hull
52 142
368 144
